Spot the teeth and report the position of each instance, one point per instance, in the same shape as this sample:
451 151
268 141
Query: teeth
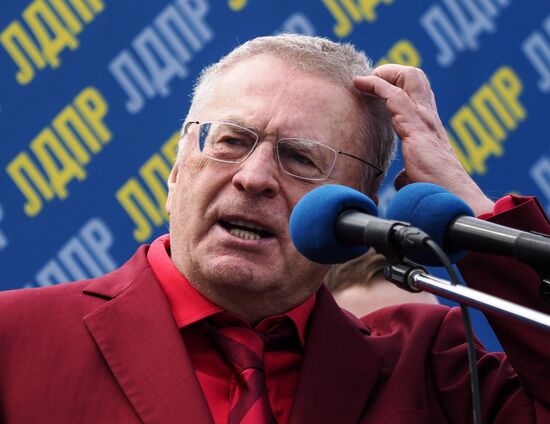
242 223
246 235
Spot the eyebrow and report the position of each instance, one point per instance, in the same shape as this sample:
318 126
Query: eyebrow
235 119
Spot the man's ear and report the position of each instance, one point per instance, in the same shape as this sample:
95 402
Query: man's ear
401 180
172 179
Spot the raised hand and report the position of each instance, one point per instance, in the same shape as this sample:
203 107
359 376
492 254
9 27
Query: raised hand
427 153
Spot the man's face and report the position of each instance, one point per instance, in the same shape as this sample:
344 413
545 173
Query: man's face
207 198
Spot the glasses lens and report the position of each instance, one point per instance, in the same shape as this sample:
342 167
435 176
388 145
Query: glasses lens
305 158
225 141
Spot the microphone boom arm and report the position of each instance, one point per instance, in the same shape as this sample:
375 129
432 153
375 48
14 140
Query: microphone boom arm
530 248
414 278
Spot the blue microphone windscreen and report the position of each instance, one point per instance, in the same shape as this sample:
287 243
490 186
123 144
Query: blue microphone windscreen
430 208
312 223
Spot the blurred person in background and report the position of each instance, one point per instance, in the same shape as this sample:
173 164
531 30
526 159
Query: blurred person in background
359 286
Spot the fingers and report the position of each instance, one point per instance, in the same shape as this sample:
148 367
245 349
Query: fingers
412 81
399 104
408 95
427 154
408 116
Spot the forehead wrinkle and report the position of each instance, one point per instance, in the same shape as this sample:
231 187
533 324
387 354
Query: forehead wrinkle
268 118
291 119
238 120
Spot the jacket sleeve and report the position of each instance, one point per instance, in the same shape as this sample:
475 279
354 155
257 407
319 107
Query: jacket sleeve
516 389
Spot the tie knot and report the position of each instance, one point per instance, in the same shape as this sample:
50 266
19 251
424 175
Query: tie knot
242 347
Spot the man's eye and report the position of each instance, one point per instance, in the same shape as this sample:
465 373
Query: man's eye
301 159
234 141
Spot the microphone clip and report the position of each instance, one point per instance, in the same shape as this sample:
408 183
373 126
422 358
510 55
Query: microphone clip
402 273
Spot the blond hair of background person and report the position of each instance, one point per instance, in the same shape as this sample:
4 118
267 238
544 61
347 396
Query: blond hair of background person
359 286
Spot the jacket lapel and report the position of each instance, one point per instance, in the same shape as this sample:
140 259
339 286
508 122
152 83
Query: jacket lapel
141 343
339 368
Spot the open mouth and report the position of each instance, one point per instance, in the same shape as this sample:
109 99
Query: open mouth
245 230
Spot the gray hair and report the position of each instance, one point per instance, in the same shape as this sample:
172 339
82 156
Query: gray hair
337 62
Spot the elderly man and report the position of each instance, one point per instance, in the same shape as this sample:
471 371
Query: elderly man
223 321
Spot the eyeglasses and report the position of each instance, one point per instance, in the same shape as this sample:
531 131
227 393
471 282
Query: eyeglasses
301 158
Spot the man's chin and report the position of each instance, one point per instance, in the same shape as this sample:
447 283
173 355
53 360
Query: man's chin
240 273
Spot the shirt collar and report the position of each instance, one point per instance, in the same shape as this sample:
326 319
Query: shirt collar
189 306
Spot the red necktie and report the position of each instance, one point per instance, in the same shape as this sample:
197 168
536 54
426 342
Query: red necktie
243 349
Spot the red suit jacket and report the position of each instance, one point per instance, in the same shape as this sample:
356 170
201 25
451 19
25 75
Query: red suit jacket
108 351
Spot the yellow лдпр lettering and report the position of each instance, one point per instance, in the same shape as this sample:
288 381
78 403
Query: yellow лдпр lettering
144 200
237 5
469 128
369 8
155 173
62 151
403 52
15 32
64 124
482 126
93 107
509 87
343 26
49 151
53 33
23 165
38 13
132 196
357 10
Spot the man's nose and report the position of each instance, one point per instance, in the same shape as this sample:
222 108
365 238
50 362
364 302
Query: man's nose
258 174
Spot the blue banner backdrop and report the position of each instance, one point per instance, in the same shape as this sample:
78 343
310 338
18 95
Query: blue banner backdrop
93 94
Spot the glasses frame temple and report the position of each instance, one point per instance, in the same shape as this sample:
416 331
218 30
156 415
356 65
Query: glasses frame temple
187 125
378 170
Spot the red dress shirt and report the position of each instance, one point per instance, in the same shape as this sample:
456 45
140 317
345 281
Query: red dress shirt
214 375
